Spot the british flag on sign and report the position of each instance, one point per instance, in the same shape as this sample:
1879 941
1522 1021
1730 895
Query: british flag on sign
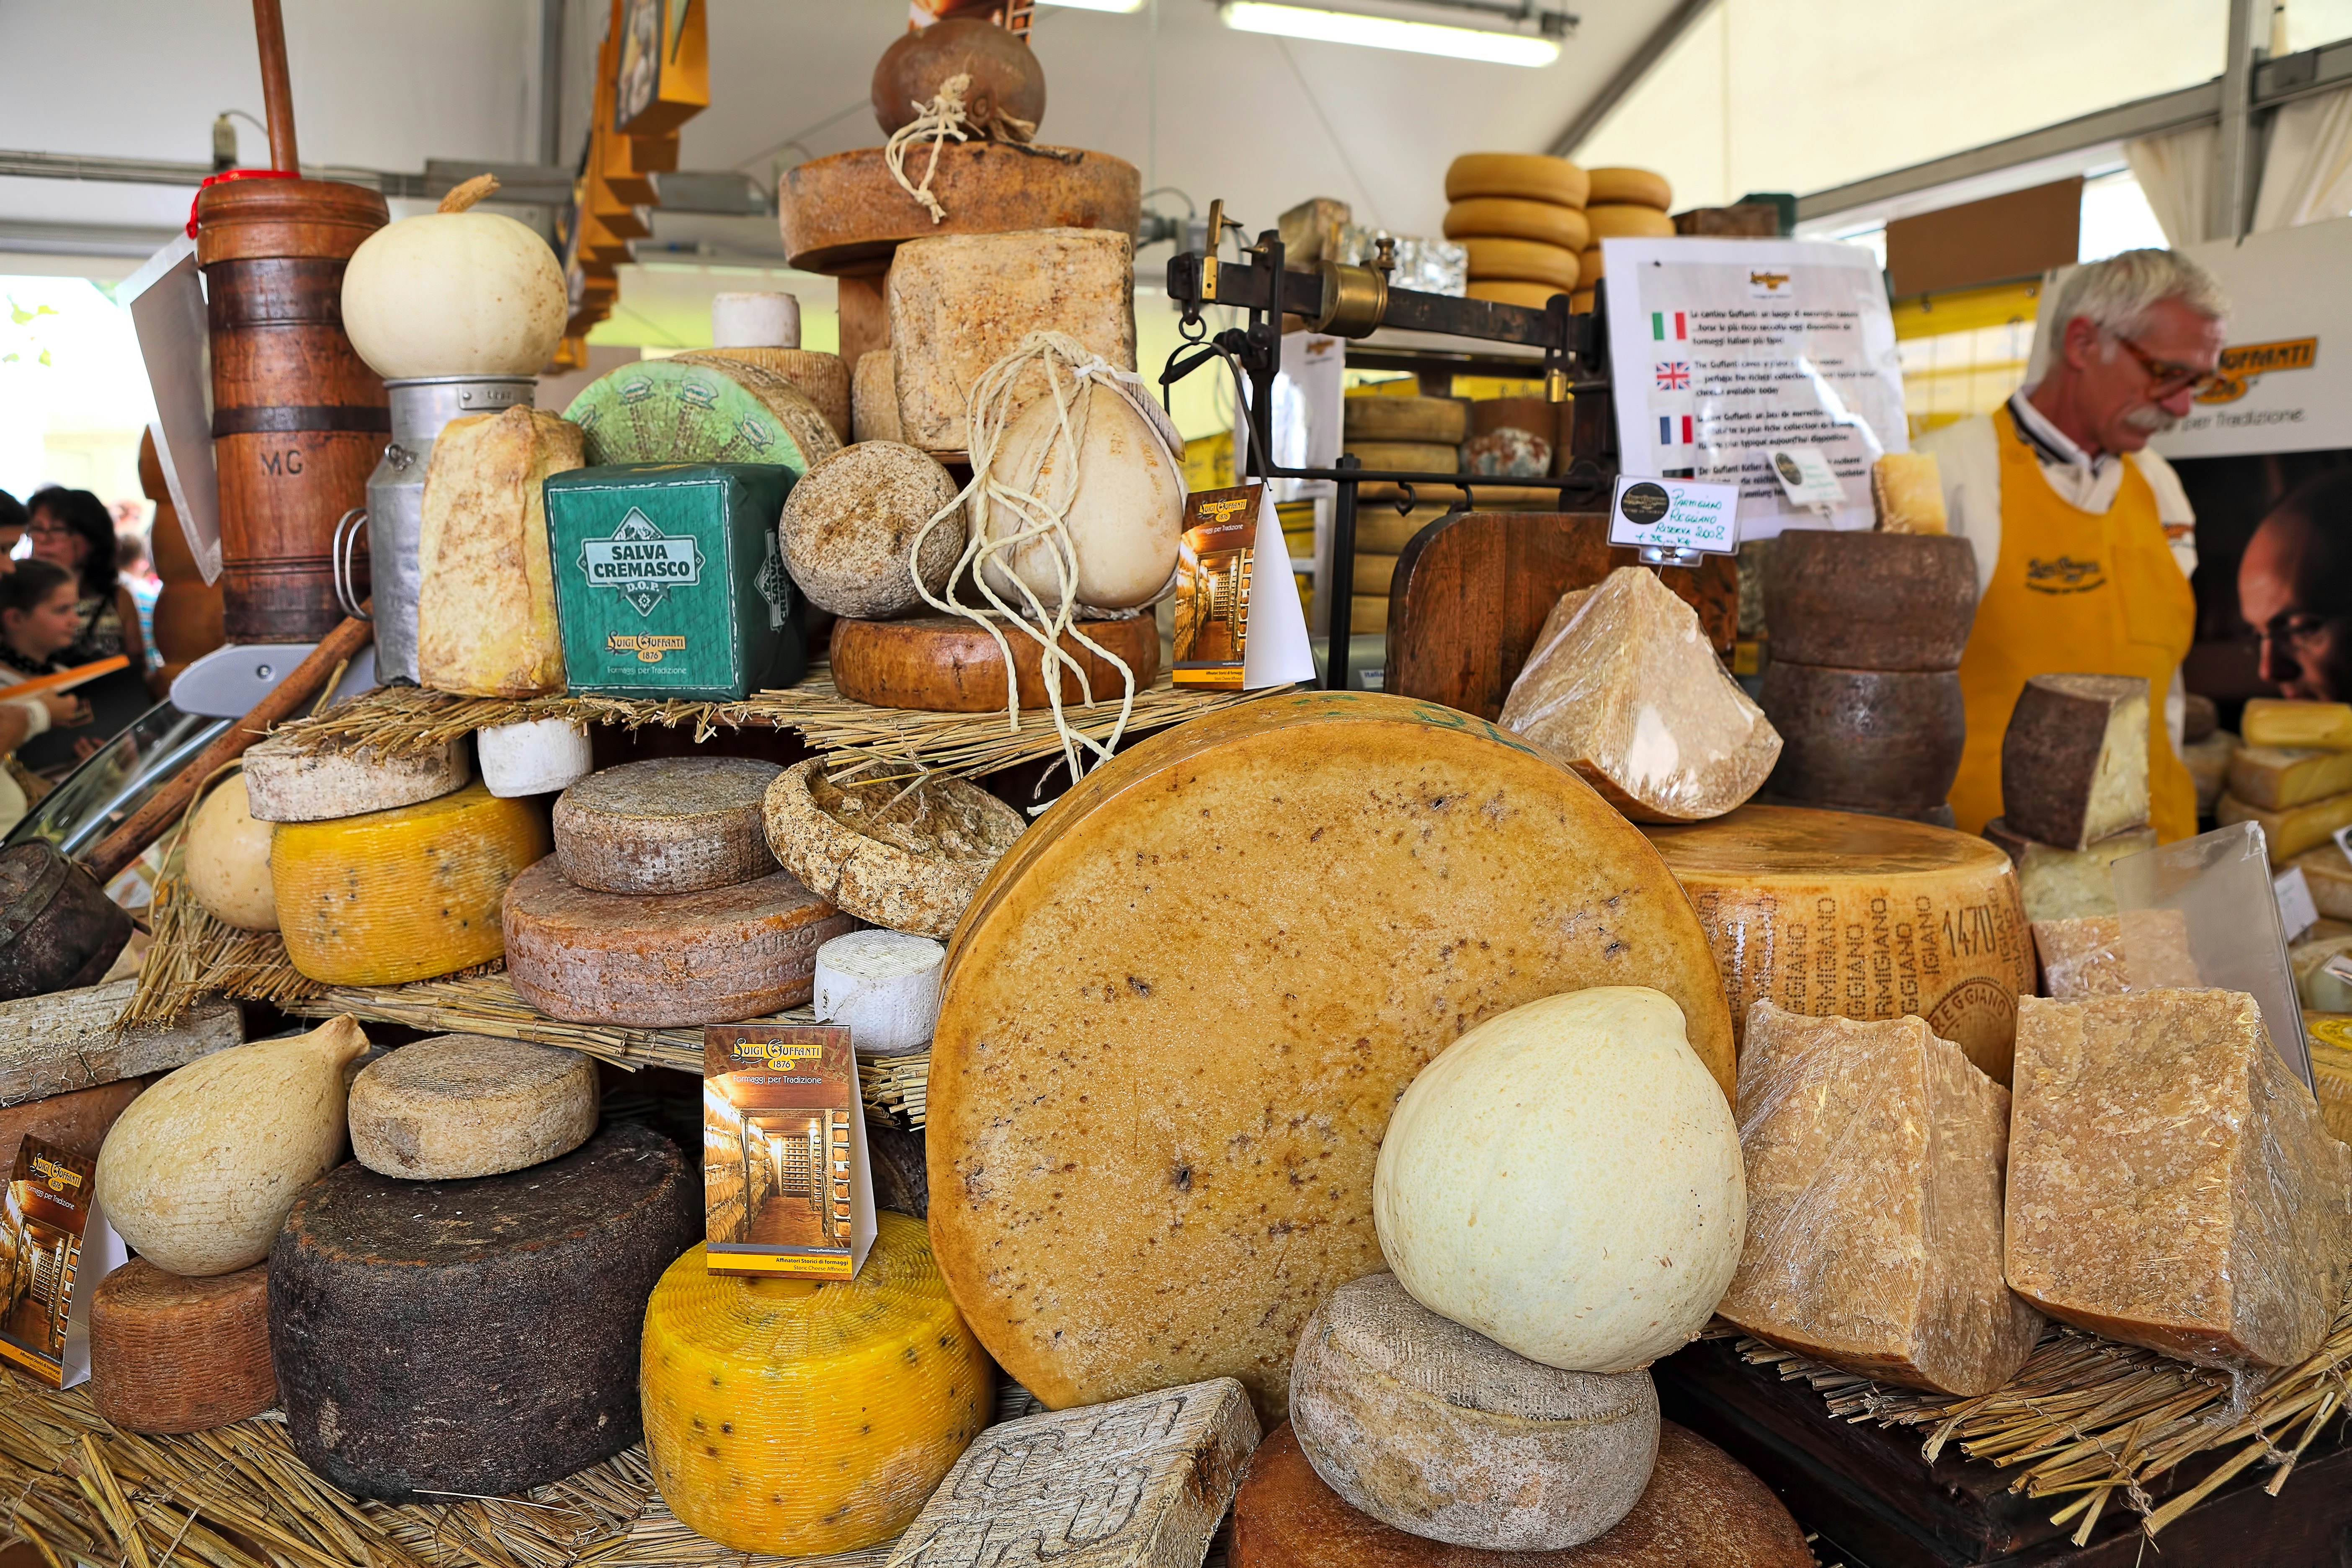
1673 376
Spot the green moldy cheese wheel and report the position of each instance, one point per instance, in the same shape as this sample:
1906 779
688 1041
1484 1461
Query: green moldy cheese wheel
664 411
476 1337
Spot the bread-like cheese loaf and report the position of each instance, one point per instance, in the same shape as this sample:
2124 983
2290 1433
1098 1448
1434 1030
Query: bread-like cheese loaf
1906 491
486 604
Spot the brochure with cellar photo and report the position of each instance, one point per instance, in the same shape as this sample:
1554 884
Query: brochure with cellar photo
58 1247
787 1192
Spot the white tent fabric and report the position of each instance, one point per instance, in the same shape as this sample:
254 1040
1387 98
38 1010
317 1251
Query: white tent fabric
2175 171
2308 171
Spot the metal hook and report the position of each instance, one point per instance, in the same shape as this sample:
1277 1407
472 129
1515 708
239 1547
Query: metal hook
348 529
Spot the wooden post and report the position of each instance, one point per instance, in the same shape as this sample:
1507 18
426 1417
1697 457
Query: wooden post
277 90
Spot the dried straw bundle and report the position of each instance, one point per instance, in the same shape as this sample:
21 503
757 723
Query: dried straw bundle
195 955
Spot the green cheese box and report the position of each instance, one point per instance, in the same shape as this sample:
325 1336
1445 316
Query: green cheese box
669 583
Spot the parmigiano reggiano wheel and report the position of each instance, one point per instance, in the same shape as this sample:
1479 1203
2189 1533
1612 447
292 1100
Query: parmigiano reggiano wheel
1444 421
1625 221
286 782
174 1354
228 860
409 894
1525 260
792 1418
665 824
1526 176
1383 873
1535 296
470 1105
1503 218
1636 187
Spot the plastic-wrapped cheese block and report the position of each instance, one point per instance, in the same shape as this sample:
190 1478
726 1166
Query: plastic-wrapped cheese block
174 1354
665 824
474 1337
2066 884
1874 1155
287 783
1701 1509
908 859
468 1105
2171 1183
1907 491
1623 686
2086 955
2290 830
850 527
1441 1432
2276 777
2074 762
486 604
795 1418
2329 876
2273 722
1237 879
1834 914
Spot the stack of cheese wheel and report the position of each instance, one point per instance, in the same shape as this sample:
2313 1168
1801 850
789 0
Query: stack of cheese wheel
1625 204
661 905
1521 217
1413 435
386 867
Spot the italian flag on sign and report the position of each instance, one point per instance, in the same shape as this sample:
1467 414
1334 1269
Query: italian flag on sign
1660 320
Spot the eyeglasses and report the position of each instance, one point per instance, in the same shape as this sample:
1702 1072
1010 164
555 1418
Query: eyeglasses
2167 377
2298 628
50 528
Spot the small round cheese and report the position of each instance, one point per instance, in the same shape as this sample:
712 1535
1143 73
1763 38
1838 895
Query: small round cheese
907 860
283 783
169 1354
469 1105
228 860
667 824
885 986
850 526
1565 1180
538 756
755 320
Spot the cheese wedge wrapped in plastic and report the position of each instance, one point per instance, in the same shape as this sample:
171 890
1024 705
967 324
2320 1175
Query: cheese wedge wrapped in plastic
1624 687
485 609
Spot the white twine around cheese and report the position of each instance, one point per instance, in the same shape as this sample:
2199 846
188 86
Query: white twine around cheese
947 117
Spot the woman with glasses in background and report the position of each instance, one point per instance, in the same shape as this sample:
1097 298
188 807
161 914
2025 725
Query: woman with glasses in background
72 529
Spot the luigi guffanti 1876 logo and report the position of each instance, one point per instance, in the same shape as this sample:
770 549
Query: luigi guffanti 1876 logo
641 563
2063 575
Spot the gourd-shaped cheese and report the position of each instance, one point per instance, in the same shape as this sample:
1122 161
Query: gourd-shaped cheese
468 1105
228 860
1564 1179
793 1419
1122 501
486 608
455 292
202 1169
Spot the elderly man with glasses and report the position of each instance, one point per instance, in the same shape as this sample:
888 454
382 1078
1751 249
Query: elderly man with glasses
2084 538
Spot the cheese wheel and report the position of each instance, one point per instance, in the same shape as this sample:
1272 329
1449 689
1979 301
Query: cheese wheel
1503 217
285 782
908 859
470 1105
885 986
1627 222
686 959
478 1337
1436 1430
2292 829
536 756
2277 721
1527 176
667 824
1406 457
1865 739
711 411
1375 574
1582 301
2278 777
1701 1508
1444 421
822 378
1330 886
946 664
228 860
762 319
873 399
1367 615
1534 296
173 1354
409 894
1850 599
792 1418
1636 187
1838 915
850 523
1591 265
1528 260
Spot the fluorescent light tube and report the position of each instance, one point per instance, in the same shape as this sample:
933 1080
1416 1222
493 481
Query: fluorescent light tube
1387 33
1120 6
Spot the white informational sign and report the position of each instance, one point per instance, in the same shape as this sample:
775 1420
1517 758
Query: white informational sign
1305 420
166 299
2286 382
1722 350
1807 478
1677 515
2297 913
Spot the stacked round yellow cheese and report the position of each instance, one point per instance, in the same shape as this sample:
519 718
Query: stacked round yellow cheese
1521 217
1625 204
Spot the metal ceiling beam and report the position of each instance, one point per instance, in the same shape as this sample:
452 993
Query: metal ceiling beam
1662 37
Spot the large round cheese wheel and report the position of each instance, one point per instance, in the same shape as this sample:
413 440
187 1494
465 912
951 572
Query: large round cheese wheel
470 1105
1836 914
1442 1432
946 664
1504 291
174 1354
1565 1180
792 1418
285 782
478 1337
1624 221
1505 218
1526 176
1702 1510
1527 260
711 957
908 859
822 378
1591 266
850 523
665 824
1633 187
1178 1012
1859 599
715 411
1443 420
228 860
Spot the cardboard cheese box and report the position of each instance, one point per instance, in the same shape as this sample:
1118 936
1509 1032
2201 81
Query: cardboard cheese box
670 581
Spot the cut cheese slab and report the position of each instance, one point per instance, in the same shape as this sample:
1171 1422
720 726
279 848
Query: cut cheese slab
228 860
469 1105
486 601
2294 829
792 1418
396 896
667 824
2087 956
1839 915
1623 686
287 783
2073 762
2273 721
2067 884
172 1354
2329 875
1142 1481
1333 888
2171 1183
2277 777
1906 490
1874 1155
1439 1431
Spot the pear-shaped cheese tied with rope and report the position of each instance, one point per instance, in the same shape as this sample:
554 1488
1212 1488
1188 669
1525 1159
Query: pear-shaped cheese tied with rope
851 524
1112 475
455 292
200 1173
228 860
1565 1180
796 1419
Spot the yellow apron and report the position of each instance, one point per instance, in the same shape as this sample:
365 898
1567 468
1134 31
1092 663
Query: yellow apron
2075 591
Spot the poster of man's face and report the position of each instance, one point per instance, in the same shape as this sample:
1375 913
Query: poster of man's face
2273 579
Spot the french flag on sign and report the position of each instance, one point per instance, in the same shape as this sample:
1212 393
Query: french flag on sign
1668 424
1669 326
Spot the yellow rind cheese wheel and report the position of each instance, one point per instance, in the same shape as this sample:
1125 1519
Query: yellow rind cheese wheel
1629 222
1581 301
1370 416
1634 187
1546 223
1407 457
1526 176
1522 261
1375 575
1367 615
406 894
797 1419
1502 292
1590 269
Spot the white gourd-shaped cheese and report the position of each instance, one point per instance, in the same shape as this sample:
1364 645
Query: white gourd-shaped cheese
455 292
1125 509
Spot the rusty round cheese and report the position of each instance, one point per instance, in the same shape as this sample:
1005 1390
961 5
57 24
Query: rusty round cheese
665 824
845 215
712 957
171 1354
1176 1017
945 664
1832 913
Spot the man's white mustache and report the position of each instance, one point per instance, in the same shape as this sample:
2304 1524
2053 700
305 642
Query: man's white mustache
2152 419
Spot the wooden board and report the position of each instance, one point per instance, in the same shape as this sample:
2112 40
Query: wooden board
1472 589
945 664
846 215
66 1040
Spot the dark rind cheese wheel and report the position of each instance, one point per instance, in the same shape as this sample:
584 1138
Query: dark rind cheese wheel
475 1336
1259 925
945 664
170 1355
712 957
1868 739
667 824
901 1182
1866 600
1702 1508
